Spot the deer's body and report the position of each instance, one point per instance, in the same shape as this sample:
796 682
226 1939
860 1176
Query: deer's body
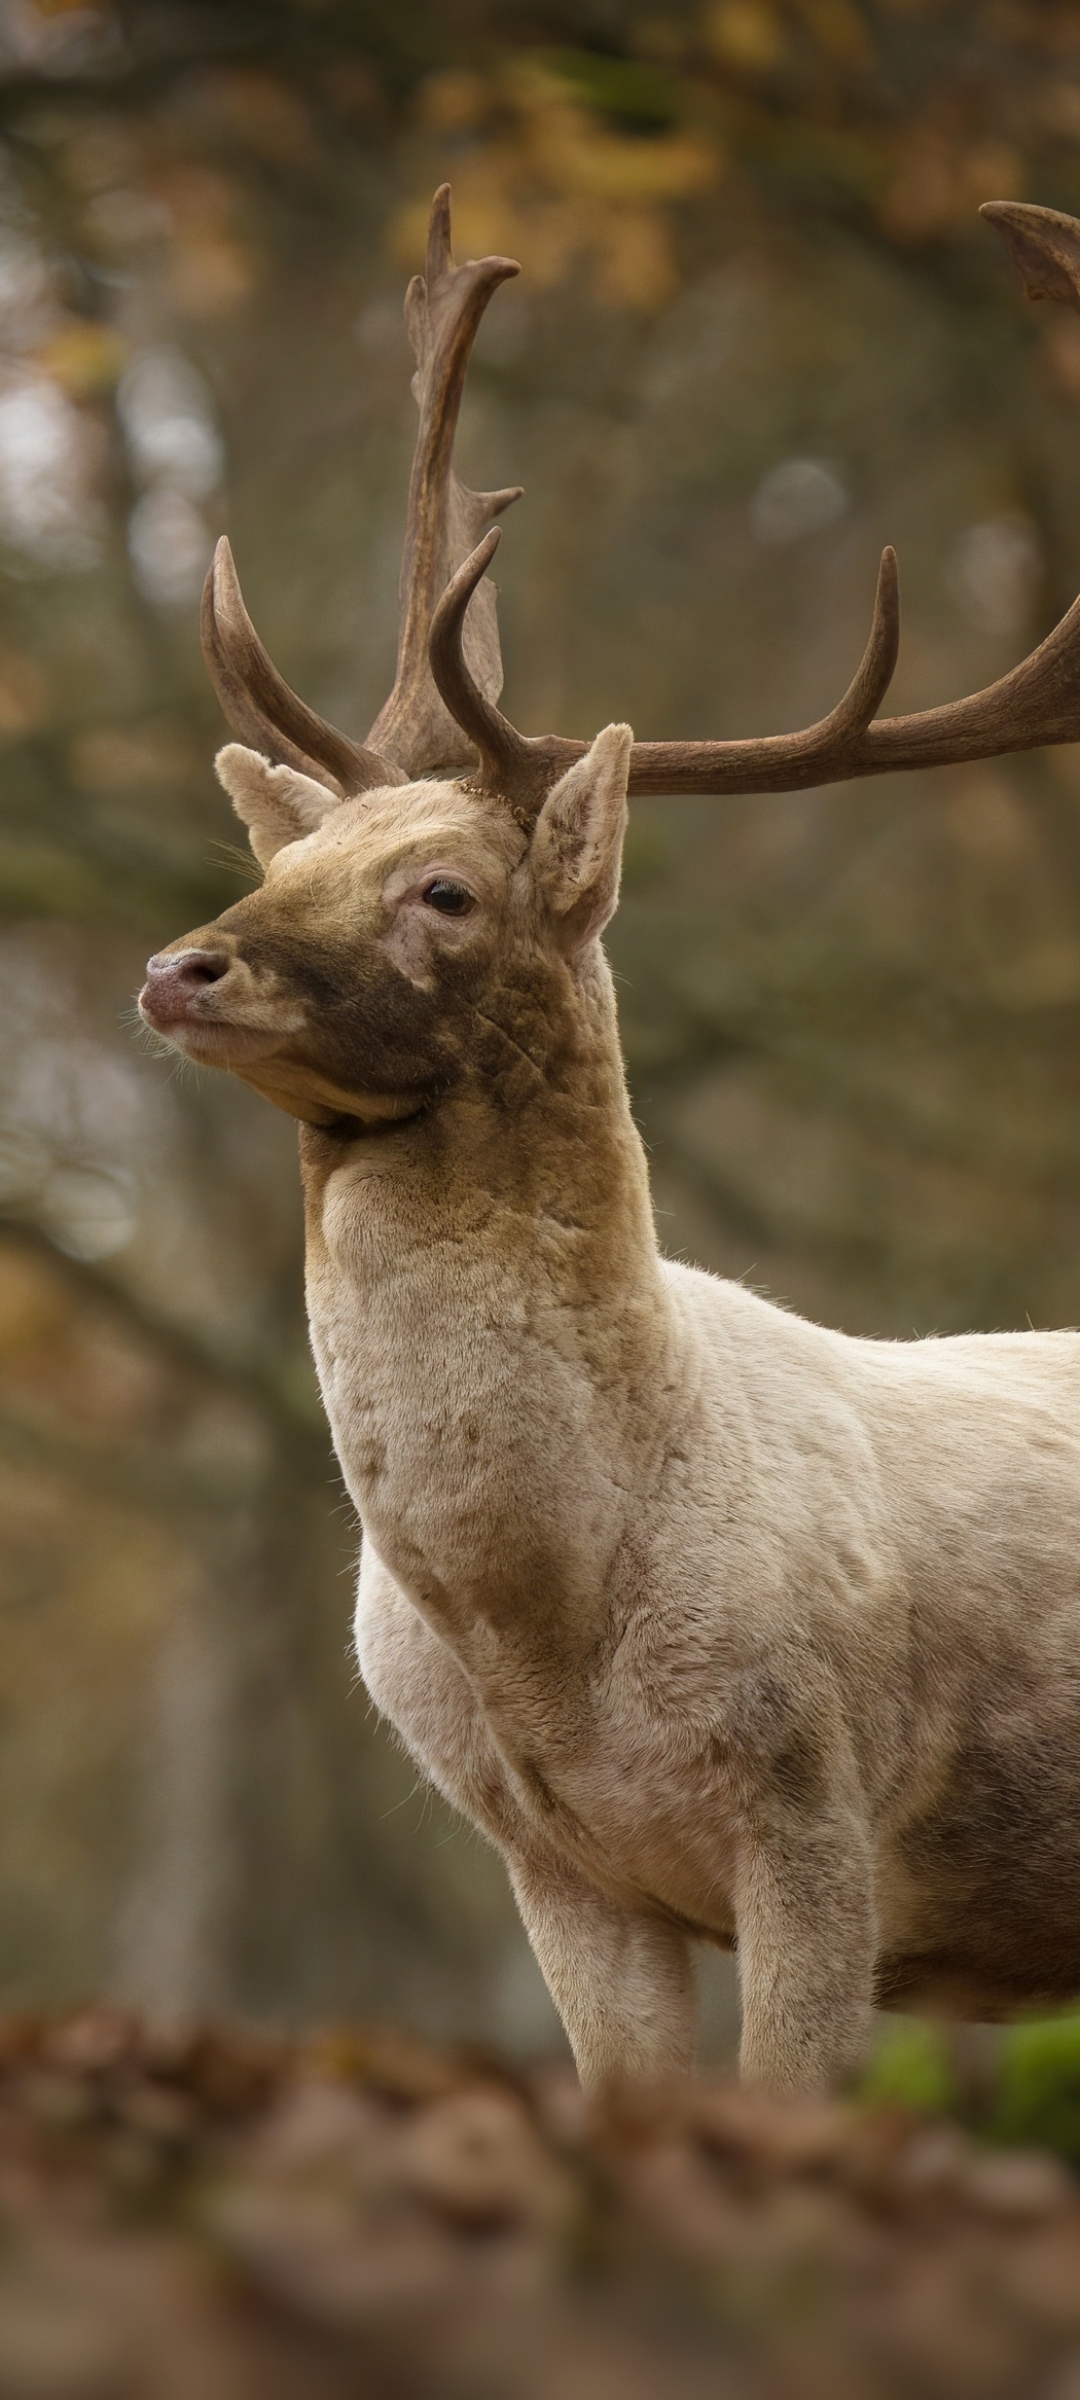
718 1623
657 1576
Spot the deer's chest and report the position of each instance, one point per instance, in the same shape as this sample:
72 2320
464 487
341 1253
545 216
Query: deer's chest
482 1457
549 1769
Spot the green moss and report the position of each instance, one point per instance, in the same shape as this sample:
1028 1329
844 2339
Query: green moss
1032 2101
910 2068
1037 2095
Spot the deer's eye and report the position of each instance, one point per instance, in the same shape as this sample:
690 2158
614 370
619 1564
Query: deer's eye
450 898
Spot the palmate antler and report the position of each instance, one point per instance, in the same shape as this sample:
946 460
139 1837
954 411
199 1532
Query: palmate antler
443 712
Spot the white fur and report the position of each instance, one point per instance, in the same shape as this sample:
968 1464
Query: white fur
721 1625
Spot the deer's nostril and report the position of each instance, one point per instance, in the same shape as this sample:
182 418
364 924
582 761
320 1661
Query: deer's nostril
205 966
188 966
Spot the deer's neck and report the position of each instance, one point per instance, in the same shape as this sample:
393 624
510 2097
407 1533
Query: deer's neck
491 1331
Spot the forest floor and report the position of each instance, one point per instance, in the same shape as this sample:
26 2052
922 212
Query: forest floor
219 2215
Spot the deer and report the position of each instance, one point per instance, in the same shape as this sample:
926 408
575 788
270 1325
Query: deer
723 1626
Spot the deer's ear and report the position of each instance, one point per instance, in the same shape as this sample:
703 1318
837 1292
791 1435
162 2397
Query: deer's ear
577 845
277 804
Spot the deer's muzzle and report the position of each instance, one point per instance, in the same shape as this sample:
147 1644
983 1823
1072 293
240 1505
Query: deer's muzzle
176 982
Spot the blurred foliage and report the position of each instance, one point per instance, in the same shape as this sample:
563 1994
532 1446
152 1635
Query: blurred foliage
911 2068
759 332
217 2211
1018 2087
1037 2095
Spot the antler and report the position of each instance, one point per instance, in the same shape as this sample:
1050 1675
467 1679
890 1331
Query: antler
261 707
1037 703
414 732
445 519
525 768
449 673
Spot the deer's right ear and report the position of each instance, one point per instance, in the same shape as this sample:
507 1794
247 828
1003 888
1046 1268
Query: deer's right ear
277 804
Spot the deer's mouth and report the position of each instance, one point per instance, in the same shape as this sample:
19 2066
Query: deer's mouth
197 999
213 1043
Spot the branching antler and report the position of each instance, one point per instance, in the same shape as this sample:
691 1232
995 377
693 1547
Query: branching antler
444 705
414 732
526 768
1037 703
442 312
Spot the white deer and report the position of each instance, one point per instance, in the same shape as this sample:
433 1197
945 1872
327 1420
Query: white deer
724 1627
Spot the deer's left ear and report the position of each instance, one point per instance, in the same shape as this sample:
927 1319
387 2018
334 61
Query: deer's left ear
577 845
277 804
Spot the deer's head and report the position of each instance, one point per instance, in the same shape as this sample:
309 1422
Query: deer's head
401 941
411 931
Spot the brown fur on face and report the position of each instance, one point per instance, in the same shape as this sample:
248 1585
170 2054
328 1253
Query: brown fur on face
346 995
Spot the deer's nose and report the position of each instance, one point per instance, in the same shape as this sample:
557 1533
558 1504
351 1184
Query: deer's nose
175 978
188 966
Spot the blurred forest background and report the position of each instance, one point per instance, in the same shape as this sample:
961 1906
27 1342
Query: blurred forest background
760 331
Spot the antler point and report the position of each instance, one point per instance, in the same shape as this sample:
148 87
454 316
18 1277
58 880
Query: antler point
439 250
479 559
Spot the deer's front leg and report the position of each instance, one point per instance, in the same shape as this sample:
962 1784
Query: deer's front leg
805 1920
622 1981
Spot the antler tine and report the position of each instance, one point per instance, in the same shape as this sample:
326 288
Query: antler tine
1037 703
852 714
827 752
259 704
443 310
524 768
